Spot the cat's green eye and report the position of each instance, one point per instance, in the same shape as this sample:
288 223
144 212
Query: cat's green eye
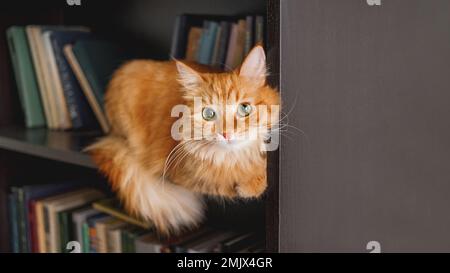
244 109
208 114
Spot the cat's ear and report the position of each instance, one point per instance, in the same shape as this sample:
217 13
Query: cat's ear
254 66
187 76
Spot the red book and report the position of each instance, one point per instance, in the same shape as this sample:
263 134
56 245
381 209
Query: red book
32 226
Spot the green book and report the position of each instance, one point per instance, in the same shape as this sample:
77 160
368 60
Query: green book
98 60
21 219
85 232
25 76
66 228
124 240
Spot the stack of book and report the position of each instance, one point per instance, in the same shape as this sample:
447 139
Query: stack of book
220 41
61 74
45 218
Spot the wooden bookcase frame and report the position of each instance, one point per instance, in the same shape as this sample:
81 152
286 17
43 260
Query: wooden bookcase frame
32 151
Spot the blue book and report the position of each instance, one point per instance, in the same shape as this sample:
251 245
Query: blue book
207 42
15 240
80 112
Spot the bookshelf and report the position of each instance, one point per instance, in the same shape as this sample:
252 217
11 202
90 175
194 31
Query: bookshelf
55 145
40 154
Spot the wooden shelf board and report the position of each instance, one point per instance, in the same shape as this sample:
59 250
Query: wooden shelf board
62 146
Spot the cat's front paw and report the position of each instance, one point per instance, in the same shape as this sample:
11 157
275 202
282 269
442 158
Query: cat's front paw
252 188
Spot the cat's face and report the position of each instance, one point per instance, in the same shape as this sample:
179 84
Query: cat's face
230 111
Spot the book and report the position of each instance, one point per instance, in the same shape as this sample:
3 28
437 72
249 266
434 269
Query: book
36 46
33 226
41 59
59 203
170 244
93 63
78 219
183 246
103 228
21 219
175 48
113 207
39 217
90 232
249 25
114 238
101 234
232 47
24 73
223 43
235 243
215 55
259 30
183 24
15 239
40 226
208 244
207 42
75 201
195 33
80 112
30 193
148 243
58 104
240 44
66 228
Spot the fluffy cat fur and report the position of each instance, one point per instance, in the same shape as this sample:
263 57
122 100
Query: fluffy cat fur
160 179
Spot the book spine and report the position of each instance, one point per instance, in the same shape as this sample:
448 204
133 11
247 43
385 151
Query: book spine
47 234
209 43
248 34
16 69
34 44
22 221
194 36
32 226
124 241
202 43
231 52
175 39
63 230
259 30
25 77
86 241
223 46
70 92
215 56
240 44
12 198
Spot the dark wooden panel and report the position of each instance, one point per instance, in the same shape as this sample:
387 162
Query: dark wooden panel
369 86
273 60
4 219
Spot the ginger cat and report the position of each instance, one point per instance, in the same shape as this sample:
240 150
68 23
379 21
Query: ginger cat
160 178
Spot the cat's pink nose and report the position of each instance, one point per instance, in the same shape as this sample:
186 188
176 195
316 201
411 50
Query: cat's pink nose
226 136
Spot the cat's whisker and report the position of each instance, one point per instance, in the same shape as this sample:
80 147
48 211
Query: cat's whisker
168 159
179 159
